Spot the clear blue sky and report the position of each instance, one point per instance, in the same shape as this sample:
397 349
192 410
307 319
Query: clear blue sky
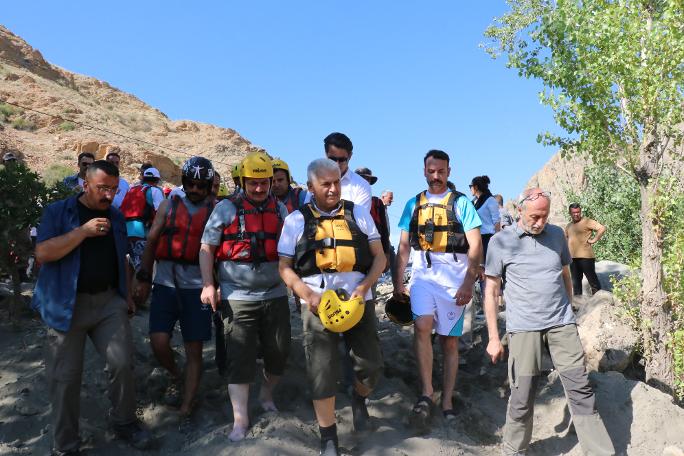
398 77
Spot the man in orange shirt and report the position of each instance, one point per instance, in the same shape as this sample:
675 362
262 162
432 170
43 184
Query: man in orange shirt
582 234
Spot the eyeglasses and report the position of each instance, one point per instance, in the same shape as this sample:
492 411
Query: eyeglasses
535 196
107 189
202 185
338 159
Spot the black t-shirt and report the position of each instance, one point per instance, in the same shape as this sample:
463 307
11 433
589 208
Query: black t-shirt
99 265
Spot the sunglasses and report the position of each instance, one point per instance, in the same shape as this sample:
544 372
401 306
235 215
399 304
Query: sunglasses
339 159
198 185
536 196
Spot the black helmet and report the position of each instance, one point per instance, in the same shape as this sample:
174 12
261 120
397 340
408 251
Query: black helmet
198 168
398 310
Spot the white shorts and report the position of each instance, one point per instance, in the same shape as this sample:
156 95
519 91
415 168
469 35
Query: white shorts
430 299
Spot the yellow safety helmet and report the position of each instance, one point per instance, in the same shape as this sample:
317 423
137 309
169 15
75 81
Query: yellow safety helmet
338 312
235 173
279 164
256 165
223 190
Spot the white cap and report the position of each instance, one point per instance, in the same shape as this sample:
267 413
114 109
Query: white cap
152 172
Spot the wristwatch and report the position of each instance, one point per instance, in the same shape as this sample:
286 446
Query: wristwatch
143 276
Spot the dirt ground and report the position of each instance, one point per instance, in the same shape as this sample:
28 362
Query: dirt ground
640 420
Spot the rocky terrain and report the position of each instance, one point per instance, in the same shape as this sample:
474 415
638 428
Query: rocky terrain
50 145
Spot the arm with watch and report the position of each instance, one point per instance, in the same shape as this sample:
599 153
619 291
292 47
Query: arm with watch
143 277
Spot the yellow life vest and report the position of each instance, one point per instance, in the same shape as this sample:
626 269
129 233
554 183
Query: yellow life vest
434 227
331 243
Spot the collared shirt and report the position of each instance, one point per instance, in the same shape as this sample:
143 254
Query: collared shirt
120 192
55 293
535 293
292 233
490 216
74 182
354 188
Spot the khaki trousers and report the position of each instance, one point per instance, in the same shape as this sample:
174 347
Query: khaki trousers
102 317
524 366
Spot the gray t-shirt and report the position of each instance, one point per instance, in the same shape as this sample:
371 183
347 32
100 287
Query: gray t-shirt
188 276
535 293
242 281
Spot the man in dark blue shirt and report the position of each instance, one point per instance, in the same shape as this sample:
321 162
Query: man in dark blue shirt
81 292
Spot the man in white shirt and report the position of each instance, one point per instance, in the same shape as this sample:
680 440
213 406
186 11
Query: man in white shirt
338 148
114 158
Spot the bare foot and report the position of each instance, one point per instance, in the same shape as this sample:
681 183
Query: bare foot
266 400
238 433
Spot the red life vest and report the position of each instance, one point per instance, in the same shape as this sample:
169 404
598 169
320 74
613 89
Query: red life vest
135 206
291 201
182 234
379 213
253 234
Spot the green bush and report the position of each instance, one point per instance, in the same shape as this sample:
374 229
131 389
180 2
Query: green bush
67 126
612 198
6 111
20 123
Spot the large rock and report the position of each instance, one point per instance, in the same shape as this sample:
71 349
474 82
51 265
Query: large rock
608 341
605 270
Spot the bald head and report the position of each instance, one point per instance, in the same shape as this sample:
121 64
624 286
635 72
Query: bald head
534 207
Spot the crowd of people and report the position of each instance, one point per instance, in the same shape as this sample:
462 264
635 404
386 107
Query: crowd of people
206 258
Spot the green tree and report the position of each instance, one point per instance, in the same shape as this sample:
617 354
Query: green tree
612 73
20 208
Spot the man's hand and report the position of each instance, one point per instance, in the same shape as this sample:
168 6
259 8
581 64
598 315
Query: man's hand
359 292
141 290
210 296
495 350
399 289
96 227
313 300
591 241
464 295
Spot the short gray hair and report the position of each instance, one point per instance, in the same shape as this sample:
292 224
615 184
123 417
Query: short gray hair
320 166
385 192
522 199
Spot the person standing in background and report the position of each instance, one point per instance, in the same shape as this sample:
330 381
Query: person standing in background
114 158
505 218
75 182
582 233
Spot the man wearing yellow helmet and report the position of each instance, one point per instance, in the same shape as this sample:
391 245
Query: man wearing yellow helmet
241 237
235 175
291 197
329 244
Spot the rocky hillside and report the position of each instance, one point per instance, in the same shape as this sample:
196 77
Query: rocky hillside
49 145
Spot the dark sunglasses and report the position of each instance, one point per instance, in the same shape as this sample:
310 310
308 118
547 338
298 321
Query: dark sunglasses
198 185
339 159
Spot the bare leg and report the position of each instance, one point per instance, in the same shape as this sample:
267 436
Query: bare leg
325 411
450 350
423 347
193 373
161 347
239 394
266 394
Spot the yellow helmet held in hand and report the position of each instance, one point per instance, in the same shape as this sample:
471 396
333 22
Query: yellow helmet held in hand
256 165
280 164
338 312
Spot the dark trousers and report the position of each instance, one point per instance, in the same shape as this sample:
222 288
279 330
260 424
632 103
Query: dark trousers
584 266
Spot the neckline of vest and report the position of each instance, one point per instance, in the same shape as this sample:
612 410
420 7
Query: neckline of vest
322 212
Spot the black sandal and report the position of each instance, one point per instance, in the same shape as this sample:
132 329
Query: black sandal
449 415
423 407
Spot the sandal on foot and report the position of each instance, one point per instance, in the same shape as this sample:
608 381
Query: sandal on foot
449 415
421 413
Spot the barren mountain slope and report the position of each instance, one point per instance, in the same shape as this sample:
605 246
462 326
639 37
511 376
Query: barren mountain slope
28 80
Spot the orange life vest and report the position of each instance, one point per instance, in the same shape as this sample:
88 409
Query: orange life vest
253 234
291 200
182 234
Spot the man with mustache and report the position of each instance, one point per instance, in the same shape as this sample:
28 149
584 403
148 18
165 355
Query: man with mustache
535 258
81 292
174 242
75 182
442 227
241 237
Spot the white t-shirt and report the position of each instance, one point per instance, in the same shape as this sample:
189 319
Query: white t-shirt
120 192
354 189
292 232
